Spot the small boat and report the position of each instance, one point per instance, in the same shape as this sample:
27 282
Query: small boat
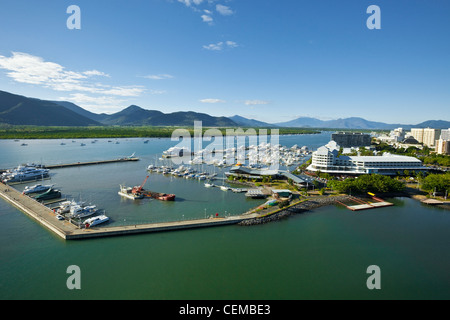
36 188
224 188
95 221
209 185
83 144
127 192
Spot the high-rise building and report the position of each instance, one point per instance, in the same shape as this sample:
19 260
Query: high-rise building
351 139
445 134
442 146
426 136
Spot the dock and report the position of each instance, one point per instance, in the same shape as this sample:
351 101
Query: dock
364 205
67 231
89 163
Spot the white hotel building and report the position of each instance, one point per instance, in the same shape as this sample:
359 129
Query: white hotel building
326 159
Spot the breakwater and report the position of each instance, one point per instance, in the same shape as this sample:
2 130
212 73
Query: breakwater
309 204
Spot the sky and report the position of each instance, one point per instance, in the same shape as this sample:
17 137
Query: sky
269 60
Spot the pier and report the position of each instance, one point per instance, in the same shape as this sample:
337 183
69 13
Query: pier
364 205
76 164
67 231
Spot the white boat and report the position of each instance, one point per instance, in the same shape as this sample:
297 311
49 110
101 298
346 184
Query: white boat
224 188
127 193
67 205
95 220
24 173
209 185
36 188
82 212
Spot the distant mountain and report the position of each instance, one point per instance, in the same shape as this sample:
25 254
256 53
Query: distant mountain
346 123
20 110
436 124
134 115
81 111
131 116
244 122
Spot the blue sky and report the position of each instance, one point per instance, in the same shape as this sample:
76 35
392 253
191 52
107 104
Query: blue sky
271 60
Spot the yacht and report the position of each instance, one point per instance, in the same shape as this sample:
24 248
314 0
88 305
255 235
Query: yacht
24 173
82 212
36 188
95 220
49 194
66 205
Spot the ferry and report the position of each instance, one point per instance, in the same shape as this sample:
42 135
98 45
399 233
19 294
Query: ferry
95 221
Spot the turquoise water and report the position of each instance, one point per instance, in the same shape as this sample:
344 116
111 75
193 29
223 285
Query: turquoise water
321 254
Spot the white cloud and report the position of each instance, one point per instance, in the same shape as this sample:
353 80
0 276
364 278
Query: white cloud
220 45
212 101
188 3
206 18
26 68
214 46
158 76
255 102
96 73
224 10
231 44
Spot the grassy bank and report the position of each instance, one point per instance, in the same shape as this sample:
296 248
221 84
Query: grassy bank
35 132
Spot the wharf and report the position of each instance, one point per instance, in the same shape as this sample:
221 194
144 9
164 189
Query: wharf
67 231
56 166
364 205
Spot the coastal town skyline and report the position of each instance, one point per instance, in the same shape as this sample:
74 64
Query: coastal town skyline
269 61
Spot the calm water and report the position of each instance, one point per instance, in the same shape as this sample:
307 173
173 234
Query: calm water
322 254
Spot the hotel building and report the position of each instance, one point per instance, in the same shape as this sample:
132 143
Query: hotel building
326 159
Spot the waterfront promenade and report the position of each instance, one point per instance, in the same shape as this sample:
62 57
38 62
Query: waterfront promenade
67 231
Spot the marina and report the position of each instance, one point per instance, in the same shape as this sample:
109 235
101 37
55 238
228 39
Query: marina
159 262
67 231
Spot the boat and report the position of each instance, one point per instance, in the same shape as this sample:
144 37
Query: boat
36 189
127 192
83 144
67 205
82 212
209 185
24 173
166 197
95 220
224 188
49 194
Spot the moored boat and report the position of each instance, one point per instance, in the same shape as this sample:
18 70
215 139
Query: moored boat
95 220
49 194
36 188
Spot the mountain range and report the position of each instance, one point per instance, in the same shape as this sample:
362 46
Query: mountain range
21 110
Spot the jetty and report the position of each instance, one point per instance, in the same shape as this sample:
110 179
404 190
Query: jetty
67 231
76 164
364 205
